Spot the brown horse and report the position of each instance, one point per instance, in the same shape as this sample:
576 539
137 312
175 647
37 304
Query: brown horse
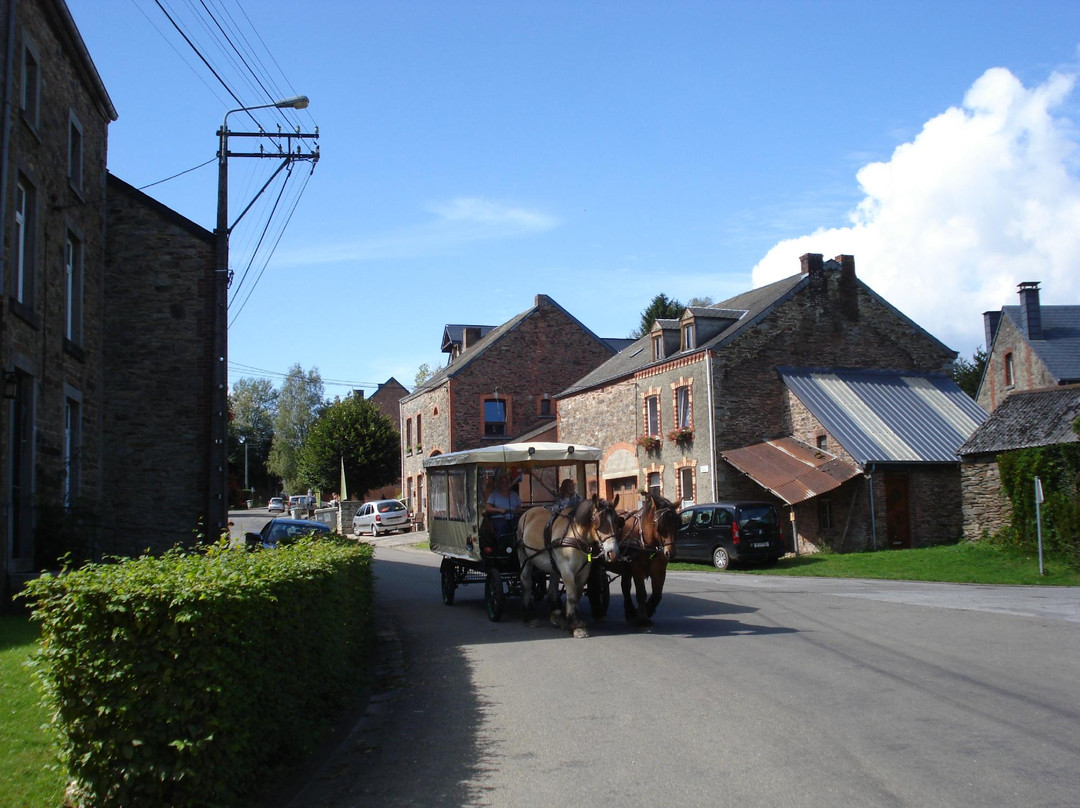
646 545
564 546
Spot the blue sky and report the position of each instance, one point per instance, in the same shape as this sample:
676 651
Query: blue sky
475 154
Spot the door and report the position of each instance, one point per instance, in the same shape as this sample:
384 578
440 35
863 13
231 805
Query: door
626 488
897 512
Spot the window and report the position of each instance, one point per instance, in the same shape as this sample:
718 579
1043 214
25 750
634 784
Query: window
30 98
688 336
73 288
408 436
658 346
72 447
75 153
1009 378
545 406
822 442
494 418
652 415
653 478
419 432
682 407
25 200
824 513
686 485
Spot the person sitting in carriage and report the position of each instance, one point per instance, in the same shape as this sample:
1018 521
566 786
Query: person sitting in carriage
568 496
502 506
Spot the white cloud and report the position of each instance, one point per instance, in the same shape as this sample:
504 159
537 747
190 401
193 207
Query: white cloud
462 220
984 197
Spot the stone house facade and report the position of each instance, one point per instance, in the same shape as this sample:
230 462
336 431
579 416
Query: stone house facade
52 152
158 362
1029 347
499 384
668 408
387 398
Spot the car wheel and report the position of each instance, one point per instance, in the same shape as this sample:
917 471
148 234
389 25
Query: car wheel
356 530
374 531
720 558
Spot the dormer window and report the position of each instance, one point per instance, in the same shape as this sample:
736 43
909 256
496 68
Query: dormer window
658 346
688 336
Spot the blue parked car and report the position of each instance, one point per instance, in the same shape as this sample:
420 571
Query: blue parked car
284 531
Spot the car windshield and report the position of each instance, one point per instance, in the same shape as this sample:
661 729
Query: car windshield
386 507
766 514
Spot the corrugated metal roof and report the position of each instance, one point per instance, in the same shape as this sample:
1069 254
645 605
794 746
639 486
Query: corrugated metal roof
790 469
1026 419
888 416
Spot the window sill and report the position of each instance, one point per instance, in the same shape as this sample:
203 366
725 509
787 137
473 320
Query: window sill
74 350
24 312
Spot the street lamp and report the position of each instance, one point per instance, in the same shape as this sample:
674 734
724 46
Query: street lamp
218 505
243 441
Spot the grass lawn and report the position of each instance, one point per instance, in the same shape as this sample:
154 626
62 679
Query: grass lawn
956 563
29 777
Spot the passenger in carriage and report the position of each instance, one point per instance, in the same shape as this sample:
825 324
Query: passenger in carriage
503 506
568 496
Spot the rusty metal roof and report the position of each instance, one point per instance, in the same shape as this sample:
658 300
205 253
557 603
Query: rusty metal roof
790 469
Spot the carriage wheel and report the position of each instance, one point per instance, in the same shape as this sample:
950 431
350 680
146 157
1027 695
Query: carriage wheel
599 592
539 585
494 595
449 582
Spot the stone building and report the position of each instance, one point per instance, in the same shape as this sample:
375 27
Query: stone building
158 361
710 407
499 384
387 398
53 142
1030 346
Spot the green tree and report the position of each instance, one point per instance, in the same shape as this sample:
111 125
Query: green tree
423 373
967 373
253 406
300 402
353 430
661 308
699 302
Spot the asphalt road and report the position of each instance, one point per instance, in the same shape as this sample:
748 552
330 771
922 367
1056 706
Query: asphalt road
750 691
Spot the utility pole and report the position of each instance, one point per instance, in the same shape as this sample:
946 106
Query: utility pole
218 505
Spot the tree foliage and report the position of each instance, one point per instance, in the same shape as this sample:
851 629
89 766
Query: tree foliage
299 404
253 406
968 372
423 373
661 308
353 430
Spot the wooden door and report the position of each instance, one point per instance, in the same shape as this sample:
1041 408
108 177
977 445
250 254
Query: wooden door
897 512
627 489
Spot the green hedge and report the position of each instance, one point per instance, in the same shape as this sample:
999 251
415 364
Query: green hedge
1058 467
185 679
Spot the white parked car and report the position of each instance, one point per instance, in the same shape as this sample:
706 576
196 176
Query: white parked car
276 505
380 517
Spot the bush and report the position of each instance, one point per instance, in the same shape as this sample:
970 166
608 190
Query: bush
184 679
1058 467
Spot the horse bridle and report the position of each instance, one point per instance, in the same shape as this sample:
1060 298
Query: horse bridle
639 545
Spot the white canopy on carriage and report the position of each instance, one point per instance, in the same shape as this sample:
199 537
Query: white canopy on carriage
518 454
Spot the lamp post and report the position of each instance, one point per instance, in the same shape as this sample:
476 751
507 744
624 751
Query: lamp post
218 504
243 441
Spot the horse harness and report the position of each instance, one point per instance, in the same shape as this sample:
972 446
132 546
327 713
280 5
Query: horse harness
634 545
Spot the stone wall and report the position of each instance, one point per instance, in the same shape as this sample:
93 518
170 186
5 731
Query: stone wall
985 508
1029 372
158 370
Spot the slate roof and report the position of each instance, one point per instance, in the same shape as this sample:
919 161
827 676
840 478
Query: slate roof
1028 418
748 307
454 334
790 469
882 416
1059 348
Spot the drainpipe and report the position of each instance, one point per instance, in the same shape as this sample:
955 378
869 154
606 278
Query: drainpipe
712 423
873 518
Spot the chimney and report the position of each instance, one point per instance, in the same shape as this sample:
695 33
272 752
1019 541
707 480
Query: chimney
1030 313
990 327
848 287
813 268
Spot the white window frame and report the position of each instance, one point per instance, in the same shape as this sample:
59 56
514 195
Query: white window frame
683 419
75 152
652 415
25 201
73 287
30 92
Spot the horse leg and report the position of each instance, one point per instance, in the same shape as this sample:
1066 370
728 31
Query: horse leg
627 602
526 593
642 615
658 575
574 583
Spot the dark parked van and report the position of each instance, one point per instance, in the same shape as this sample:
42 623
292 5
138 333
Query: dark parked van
726 532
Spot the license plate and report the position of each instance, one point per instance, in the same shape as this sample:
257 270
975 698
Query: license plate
760 544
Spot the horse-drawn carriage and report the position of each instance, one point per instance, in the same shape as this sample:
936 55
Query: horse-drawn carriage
542 552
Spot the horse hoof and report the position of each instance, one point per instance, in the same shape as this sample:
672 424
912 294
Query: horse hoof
580 633
534 623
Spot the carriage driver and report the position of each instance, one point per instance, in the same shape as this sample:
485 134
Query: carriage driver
503 506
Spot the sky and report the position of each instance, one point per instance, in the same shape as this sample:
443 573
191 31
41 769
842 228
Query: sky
474 154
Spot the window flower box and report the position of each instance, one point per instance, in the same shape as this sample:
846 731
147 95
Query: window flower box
681 436
650 443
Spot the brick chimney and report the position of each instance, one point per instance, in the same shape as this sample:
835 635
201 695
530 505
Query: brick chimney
1030 313
848 287
814 269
